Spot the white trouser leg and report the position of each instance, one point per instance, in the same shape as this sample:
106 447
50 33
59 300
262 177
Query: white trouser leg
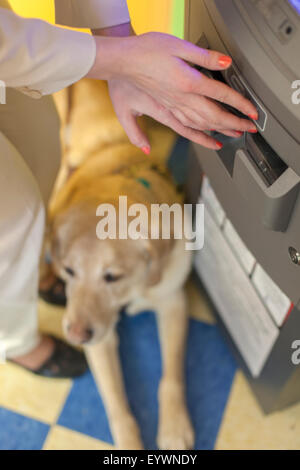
21 233
29 161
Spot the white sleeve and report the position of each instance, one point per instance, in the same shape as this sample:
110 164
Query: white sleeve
91 14
39 58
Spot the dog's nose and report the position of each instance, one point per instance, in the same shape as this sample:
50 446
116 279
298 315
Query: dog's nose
89 333
79 334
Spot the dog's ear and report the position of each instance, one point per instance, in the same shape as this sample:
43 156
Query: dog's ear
60 234
156 253
69 225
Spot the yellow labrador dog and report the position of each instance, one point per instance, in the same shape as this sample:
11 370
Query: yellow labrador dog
104 275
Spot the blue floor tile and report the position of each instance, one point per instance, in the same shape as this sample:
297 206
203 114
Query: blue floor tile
18 432
178 161
209 370
84 411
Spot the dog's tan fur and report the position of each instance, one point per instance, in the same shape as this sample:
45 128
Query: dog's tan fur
150 273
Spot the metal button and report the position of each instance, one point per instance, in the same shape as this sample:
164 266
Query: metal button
294 255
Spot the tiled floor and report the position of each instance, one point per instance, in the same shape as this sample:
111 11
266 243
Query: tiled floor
44 413
38 413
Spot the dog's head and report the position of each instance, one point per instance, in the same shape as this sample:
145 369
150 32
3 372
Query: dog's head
101 276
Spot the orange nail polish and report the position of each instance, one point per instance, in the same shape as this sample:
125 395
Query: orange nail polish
146 150
253 116
219 144
224 61
239 133
253 131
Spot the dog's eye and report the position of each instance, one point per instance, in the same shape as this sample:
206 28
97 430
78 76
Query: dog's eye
109 277
70 271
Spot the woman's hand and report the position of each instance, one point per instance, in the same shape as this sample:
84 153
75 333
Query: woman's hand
150 74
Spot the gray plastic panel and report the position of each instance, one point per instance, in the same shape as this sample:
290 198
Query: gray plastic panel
278 384
273 204
269 247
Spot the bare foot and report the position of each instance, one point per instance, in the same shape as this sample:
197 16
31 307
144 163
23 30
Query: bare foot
38 356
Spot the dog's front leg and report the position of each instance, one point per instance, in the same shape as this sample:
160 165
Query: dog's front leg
175 429
105 364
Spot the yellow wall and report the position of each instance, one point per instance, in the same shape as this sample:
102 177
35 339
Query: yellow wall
34 8
147 15
151 15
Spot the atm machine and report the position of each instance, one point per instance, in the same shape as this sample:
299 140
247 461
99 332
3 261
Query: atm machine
250 263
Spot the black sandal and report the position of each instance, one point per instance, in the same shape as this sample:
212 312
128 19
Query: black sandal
65 362
56 294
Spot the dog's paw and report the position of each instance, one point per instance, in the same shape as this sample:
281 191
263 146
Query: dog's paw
176 432
126 434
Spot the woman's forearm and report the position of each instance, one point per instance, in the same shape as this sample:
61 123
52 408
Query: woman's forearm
110 53
109 49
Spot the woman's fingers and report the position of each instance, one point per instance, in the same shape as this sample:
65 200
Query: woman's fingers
198 83
129 102
201 125
215 115
224 94
197 137
168 119
135 134
191 124
208 121
206 58
230 133
190 119
150 107
123 97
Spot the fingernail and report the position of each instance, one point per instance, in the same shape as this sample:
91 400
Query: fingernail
146 149
253 131
219 144
225 60
239 133
253 116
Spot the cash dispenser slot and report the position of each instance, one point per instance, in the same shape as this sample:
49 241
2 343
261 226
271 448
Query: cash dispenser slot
267 161
268 185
